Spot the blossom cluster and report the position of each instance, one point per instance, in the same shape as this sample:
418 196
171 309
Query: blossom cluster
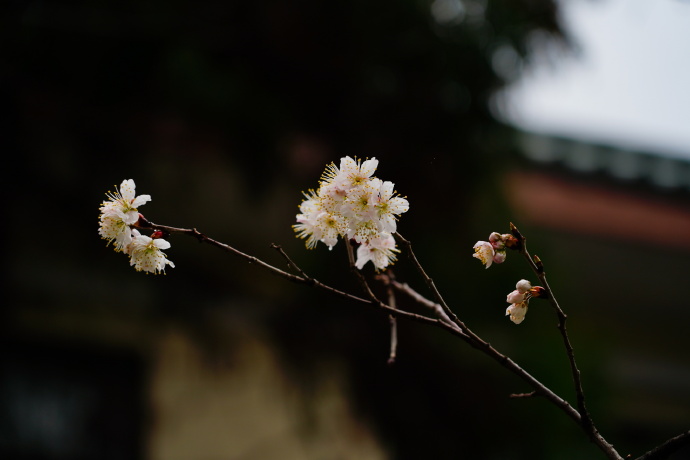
353 204
494 250
119 215
519 299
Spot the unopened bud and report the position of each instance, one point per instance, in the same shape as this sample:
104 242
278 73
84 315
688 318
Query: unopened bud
516 233
523 286
496 240
515 297
511 242
539 292
499 257
538 263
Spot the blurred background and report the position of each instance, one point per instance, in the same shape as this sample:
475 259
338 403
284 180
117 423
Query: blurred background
225 113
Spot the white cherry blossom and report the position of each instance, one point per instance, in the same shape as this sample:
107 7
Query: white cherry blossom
484 252
146 253
116 231
517 312
119 213
388 205
354 173
124 203
380 250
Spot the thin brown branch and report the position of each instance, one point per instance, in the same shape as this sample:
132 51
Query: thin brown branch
430 283
358 274
662 451
394 327
291 263
367 289
538 267
306 280
523 395
420 299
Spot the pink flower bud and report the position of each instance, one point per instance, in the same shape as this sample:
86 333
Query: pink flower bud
499 257
496 240
538 292
511 242
515 297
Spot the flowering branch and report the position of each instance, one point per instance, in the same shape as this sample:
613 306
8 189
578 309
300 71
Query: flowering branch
459 330
481 344
538 268
352 204
456 328
494 251
539 389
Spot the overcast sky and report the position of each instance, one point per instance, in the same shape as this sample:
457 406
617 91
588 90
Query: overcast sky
630 84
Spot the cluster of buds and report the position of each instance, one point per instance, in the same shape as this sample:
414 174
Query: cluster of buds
494 250
118 219
519 299
353 204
